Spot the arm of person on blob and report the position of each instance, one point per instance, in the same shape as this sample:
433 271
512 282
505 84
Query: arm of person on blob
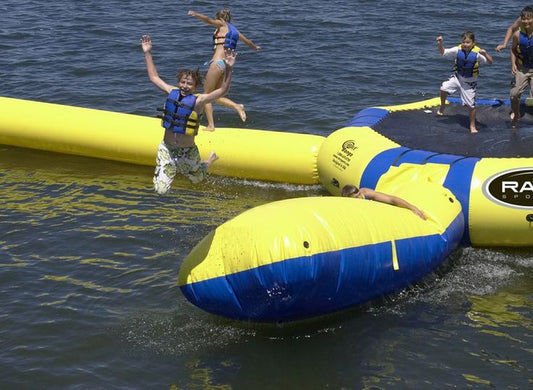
391 199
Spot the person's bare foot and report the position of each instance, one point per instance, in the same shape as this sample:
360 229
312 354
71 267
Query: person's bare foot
209 128
473 130
439 112
211 159
241 112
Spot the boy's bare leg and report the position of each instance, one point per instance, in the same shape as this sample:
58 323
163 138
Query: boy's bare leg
472 117
443 96
515 112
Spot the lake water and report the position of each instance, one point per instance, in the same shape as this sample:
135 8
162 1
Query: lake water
90 255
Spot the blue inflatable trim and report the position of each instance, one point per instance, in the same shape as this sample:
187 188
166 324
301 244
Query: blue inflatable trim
379 165
323 283
458 181
368 117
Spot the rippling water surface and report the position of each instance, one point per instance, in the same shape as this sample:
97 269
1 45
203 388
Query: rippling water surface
89 255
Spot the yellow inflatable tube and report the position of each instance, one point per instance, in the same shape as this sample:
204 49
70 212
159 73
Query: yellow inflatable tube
252 154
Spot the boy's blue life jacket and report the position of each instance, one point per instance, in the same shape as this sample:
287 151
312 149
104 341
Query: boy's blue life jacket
229 40
179 115
525 50
467 65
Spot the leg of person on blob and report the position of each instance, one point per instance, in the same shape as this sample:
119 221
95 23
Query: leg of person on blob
213 80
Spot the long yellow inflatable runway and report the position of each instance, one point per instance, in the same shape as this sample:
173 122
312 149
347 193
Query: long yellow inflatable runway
252 154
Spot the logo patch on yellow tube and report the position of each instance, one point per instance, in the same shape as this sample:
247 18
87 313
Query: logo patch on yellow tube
343 157
511 188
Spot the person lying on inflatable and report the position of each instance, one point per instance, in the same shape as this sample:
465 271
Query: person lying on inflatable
352 191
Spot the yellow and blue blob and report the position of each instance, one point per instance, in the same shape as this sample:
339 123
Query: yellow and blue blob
306 257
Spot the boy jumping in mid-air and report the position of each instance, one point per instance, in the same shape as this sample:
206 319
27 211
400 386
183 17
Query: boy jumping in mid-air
178 153
467 58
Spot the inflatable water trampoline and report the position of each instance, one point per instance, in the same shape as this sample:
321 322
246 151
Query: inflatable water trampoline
306 257
496 193
417 126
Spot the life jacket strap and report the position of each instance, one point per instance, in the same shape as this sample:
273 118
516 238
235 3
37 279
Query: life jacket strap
179 103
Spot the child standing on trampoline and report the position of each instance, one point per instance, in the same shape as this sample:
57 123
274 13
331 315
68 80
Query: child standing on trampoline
521 62
225 37
467 59
510 31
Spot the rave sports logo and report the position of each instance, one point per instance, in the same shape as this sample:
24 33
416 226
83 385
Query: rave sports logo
513 188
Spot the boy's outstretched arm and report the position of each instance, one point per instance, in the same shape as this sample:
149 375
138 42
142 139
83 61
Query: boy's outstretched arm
508 35
206 98
153 75
484 53
439 44
206 19
514 46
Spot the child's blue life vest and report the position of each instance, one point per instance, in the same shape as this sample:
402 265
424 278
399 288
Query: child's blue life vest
179 115
229 40
525 50
467 65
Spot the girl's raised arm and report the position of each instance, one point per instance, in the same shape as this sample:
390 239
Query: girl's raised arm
206 19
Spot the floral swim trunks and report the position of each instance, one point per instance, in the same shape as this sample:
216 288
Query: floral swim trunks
172 160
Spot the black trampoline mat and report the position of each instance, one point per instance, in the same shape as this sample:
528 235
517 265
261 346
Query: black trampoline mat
450 134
